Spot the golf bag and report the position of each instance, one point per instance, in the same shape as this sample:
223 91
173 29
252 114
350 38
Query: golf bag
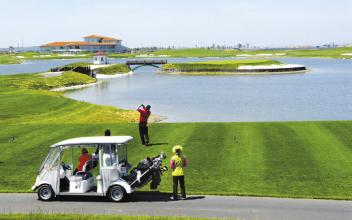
148 170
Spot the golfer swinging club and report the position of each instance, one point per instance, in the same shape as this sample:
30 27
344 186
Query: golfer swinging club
143 121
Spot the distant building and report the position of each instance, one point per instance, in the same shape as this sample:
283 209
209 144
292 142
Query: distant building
100 58
91 43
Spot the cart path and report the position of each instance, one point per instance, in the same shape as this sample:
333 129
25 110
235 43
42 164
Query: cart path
196 206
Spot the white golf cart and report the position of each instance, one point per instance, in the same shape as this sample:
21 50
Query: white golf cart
105 174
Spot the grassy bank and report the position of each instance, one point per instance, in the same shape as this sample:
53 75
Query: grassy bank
48 56
105 69
20 57
25 99
219 66
75 65
320 53
37 81
113 69
9 59
90 217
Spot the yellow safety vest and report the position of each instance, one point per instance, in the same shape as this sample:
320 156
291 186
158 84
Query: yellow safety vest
178 171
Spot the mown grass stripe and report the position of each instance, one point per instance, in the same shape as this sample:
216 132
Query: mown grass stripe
287 160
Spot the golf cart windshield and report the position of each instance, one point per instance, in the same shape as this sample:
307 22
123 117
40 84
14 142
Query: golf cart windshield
52 160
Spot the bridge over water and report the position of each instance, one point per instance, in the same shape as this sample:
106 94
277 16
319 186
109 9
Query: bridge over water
148 62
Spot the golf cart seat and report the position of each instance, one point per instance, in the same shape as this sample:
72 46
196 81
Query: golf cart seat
83 180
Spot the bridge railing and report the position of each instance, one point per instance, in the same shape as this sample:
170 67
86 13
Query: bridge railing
145 62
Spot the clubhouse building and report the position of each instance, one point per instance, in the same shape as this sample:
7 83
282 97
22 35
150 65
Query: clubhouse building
91 43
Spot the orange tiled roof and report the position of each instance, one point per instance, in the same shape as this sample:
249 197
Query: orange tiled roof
100 36
74 43
66 43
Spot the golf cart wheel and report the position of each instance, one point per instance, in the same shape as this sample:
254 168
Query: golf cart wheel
116 194
45 193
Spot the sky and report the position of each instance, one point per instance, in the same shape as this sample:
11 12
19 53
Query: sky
181 23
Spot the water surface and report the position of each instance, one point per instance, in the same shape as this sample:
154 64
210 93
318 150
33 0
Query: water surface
323 93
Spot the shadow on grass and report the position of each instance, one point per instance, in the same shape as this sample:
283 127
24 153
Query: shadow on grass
1 163
134 197
154 144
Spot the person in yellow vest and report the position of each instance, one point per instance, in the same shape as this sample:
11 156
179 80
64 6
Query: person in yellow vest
177 163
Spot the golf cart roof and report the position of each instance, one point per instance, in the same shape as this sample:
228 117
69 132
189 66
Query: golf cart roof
95 140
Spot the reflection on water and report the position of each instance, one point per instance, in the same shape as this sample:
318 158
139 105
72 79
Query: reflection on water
324 93
35 66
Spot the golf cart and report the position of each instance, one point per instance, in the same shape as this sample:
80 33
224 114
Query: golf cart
105 174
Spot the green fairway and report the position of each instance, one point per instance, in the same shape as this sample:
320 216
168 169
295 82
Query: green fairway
283 159
322 53
341 52
264 159
34 216
213 67
197 53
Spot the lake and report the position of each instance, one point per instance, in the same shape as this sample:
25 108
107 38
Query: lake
323 93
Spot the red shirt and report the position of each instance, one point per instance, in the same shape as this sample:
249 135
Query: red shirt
82 160
144 114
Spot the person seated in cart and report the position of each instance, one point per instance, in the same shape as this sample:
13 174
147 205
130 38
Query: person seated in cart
82 159
110 181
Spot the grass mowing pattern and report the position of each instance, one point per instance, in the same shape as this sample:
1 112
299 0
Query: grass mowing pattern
90 217
113 69
263 159
222 65
283 159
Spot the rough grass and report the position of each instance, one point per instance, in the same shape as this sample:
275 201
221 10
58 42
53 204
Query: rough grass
113 69
223 65
77 64
35 216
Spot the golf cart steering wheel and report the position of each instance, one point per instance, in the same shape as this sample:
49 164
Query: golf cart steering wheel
65 166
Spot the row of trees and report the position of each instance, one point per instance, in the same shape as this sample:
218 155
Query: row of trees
210 47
